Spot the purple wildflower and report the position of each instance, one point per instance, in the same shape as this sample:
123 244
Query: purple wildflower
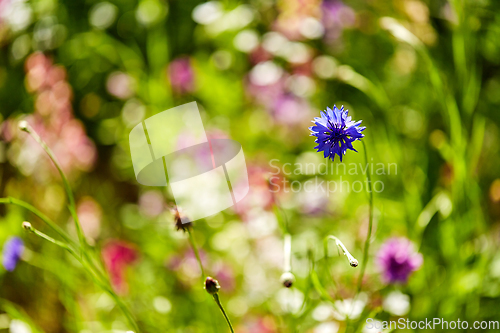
181 75
12 250
290 109
336 17
335 132
398 259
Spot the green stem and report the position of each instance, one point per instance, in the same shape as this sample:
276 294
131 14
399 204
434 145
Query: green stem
195 250
352 261
40 234
72 206
71 244
280 215
197 255
216 298
108 289
28 129
287 247
24 126
125 310
104 285
41 215
370 222
85 259
97 276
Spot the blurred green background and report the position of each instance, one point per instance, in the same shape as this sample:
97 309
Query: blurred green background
424 77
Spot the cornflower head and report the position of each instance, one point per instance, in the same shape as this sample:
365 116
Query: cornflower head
398 259
12 251
335 132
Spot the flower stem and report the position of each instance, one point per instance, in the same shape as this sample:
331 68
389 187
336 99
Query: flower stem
217 300
352 261
38 213
84 257
96 275
29 227
279 213
287 264
24 126
370 222
196 253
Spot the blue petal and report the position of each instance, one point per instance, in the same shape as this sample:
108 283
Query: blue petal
349 146
326 152
319 128
336 115
329 112
320 120
353 132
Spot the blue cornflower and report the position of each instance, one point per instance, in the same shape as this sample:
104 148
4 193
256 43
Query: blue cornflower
335 132
12 250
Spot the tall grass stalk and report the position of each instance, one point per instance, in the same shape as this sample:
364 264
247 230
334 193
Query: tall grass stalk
24 126
79 251
192 241
219 304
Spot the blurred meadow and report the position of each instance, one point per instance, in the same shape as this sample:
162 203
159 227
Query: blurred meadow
423 76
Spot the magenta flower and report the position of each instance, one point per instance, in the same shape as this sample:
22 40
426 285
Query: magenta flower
181 75
118 255
290 109
336 17
398 259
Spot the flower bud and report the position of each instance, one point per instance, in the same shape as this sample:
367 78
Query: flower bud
212 285
287 279
27 226
23 126
353 262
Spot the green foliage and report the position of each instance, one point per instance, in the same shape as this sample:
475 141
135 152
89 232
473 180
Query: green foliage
423 75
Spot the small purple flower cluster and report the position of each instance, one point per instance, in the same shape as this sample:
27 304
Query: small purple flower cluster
12 251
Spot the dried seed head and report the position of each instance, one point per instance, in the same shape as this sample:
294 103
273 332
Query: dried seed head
287 279
178 217
212 285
